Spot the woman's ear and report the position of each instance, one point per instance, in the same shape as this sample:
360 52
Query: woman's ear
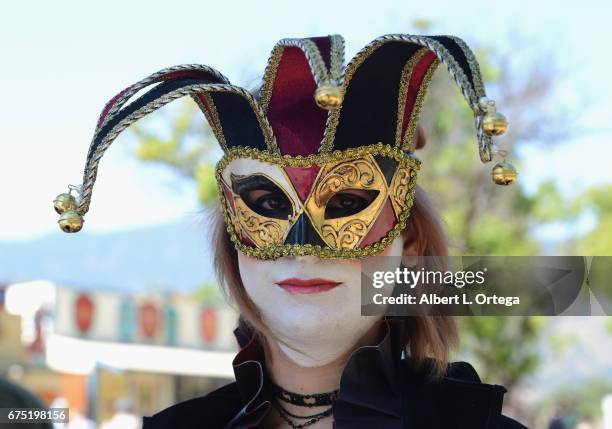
410 252
418 139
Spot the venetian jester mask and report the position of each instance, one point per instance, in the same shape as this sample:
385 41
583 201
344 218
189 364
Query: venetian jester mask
320 160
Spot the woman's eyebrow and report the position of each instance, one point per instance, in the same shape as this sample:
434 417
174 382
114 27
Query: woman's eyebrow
245 183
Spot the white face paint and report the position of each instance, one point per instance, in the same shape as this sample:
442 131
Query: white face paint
319 327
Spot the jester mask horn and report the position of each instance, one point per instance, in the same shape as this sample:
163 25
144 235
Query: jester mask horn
321 161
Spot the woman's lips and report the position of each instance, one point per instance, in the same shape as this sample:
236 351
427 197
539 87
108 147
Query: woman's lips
316 285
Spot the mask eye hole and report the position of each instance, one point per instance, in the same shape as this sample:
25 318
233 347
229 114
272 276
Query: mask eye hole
349 202
262 195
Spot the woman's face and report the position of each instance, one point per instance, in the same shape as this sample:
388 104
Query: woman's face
312 304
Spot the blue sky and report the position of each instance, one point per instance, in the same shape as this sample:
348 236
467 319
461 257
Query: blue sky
61 61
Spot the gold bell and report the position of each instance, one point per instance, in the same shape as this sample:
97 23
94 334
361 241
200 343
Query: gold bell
494 124
71 221
504 173
328 96
64 202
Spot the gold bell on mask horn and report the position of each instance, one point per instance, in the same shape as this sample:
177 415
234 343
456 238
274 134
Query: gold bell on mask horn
328 96
504 173
71 221
64 202
494 124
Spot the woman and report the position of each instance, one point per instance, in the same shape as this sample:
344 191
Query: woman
318 175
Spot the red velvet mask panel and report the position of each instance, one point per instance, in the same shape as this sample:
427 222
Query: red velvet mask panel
297 121
418 74
302 179
385 222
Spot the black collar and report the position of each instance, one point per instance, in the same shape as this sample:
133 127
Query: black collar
251 381
378 390
371 383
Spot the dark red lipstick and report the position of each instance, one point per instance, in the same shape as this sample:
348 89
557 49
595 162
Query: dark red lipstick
316 285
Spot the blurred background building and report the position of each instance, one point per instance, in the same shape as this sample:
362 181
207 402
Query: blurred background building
93 349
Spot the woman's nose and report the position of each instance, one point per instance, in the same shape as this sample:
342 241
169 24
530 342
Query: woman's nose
307 259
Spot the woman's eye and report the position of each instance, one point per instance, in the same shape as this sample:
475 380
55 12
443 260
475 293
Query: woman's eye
271 202
349 202
268 203
262 195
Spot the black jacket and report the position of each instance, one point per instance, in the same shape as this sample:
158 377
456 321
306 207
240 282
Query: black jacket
377 390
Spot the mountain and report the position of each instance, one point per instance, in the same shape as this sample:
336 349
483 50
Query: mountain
175 257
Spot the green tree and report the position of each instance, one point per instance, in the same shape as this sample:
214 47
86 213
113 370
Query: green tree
598 241
483 218
575 403
189 147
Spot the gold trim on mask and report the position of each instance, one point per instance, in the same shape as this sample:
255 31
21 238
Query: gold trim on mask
353 168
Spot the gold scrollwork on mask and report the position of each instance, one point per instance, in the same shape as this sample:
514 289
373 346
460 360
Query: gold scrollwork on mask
263 231
235 221
400 187
348 236
360 173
